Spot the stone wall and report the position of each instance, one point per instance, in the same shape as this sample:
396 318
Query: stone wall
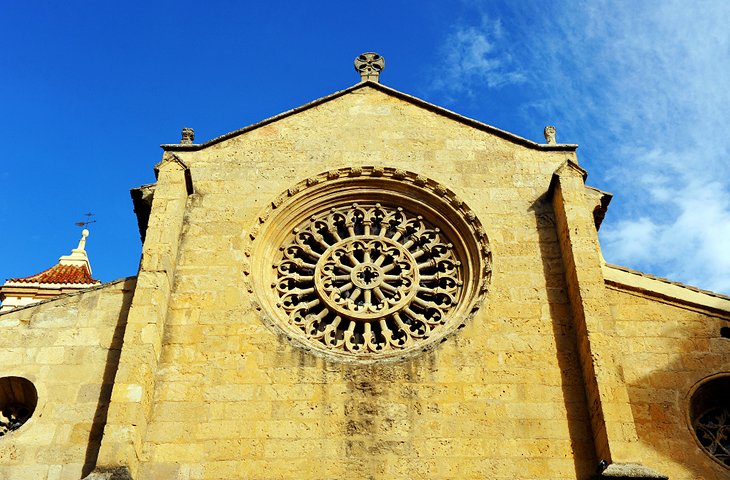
502 398
669 347
68 348
567 362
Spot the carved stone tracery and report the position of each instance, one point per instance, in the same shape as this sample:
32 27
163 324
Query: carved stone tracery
369 65
709 416
369 263
18 400
12 417
367 278
713 432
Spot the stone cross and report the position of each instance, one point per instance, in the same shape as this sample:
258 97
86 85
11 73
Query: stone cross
369 64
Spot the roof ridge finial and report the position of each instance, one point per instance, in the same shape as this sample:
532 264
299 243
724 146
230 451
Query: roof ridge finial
78 256
82 242
187 136
549 133
369 64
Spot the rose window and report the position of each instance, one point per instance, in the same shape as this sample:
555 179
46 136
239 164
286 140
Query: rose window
366 278
710 418
368 263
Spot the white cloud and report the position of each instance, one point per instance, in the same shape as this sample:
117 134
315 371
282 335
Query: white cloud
693 245
472 63
644 88
629 237
672 108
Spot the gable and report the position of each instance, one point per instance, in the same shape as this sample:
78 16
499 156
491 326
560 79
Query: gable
371 125
388 92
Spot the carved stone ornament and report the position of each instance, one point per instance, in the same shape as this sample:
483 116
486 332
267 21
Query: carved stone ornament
369 264
187 136
18 400
713 432
369 65
12 417
549 133
709 416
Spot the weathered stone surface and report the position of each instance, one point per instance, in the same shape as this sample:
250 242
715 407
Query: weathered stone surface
626 471
72 362
120 473
558 364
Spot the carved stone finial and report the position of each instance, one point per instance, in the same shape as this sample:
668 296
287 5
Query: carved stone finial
78 256
82 242
188 135
550 135
369 64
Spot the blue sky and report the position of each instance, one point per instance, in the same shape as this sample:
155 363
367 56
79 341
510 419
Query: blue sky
88 91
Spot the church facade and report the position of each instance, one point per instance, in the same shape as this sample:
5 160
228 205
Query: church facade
369 286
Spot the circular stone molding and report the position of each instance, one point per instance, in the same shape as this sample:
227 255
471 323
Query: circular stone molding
367 263
18 400
709 416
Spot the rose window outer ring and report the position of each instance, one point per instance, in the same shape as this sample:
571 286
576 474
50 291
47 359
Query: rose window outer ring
367 289
708 416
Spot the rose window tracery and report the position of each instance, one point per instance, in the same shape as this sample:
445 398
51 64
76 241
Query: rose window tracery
710 417
366 278
713 431
18 400
367 263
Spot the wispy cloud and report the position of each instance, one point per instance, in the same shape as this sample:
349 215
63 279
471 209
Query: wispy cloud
472 62
644 88
688 238
667 91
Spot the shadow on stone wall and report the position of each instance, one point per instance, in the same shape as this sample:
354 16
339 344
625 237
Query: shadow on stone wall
110 371
660 400
581 437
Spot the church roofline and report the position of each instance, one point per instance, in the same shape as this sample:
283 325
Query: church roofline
64 295
633 280
30 285
390 91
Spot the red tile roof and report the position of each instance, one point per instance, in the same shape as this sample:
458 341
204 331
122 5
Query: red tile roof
60 274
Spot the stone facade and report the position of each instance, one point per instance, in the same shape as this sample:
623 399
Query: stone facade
68 348
561 366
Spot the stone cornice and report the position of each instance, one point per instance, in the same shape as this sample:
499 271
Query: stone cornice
626 279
